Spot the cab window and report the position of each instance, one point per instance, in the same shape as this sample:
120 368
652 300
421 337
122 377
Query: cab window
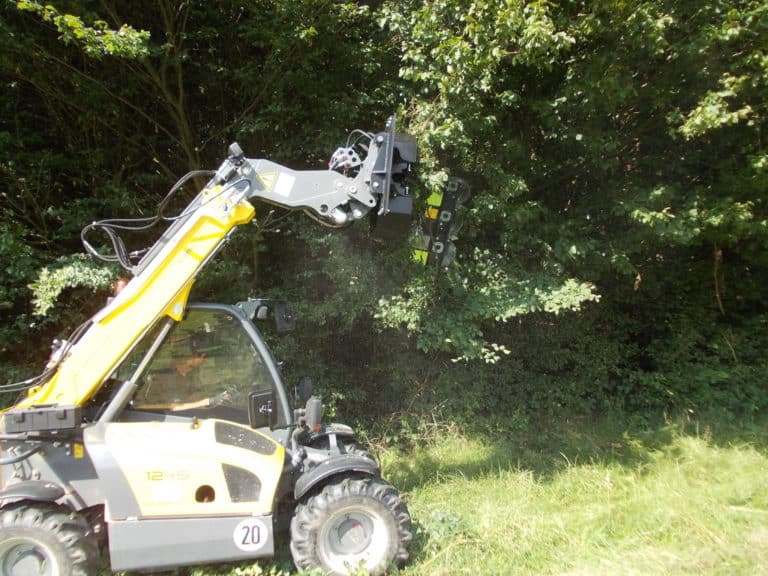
206 366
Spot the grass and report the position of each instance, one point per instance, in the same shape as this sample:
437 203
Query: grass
582 498
668 502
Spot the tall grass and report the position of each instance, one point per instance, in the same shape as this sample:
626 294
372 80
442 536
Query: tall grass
668 502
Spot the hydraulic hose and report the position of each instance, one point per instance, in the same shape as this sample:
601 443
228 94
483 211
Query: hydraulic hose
20 457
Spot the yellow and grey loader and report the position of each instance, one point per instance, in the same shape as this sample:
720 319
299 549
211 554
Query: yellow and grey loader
160 432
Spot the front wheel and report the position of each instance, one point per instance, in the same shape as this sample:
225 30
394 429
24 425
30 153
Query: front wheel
45 540
351 523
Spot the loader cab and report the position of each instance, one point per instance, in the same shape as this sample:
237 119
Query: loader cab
214 363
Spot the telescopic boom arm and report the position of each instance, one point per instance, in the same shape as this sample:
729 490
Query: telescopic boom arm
364 178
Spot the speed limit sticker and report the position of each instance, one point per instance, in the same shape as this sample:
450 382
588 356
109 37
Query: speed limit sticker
250 535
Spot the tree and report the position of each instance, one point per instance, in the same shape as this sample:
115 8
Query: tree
614 246
617 156
101 116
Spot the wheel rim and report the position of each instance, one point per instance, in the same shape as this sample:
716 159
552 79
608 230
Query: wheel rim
26 557
352 537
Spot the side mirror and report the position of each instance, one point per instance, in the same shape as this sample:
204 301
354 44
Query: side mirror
303 390
263 309
285 321
262 409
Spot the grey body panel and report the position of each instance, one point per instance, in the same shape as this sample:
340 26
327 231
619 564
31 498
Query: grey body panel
56 464
341 464
165 543
281 435
118 493
317 190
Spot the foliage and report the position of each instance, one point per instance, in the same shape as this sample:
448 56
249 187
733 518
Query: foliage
71 271
483 287
91 129
96 40
613 174
614 249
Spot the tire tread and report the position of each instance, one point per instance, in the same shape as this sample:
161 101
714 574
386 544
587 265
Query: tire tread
69 528
310 514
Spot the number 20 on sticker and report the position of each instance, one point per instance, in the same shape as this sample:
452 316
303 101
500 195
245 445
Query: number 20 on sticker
250 535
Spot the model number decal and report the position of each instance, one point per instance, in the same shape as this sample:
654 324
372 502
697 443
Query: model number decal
161 475
250 535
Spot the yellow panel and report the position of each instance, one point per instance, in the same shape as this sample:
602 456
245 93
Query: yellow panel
171 466
176 308
420 256
435 199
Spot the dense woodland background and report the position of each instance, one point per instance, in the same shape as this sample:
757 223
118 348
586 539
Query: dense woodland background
614 252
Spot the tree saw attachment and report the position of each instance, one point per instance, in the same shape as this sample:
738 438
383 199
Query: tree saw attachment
439 227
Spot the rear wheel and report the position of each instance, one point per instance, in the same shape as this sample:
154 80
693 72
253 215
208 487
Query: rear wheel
45 540
350 524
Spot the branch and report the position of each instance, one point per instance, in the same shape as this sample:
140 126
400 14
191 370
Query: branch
97 40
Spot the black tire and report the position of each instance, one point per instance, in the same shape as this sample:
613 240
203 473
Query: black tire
350 521
358 450
39 539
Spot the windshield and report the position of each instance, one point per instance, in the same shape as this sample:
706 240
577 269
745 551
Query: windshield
206 366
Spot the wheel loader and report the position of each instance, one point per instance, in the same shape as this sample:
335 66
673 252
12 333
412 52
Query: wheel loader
160 433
